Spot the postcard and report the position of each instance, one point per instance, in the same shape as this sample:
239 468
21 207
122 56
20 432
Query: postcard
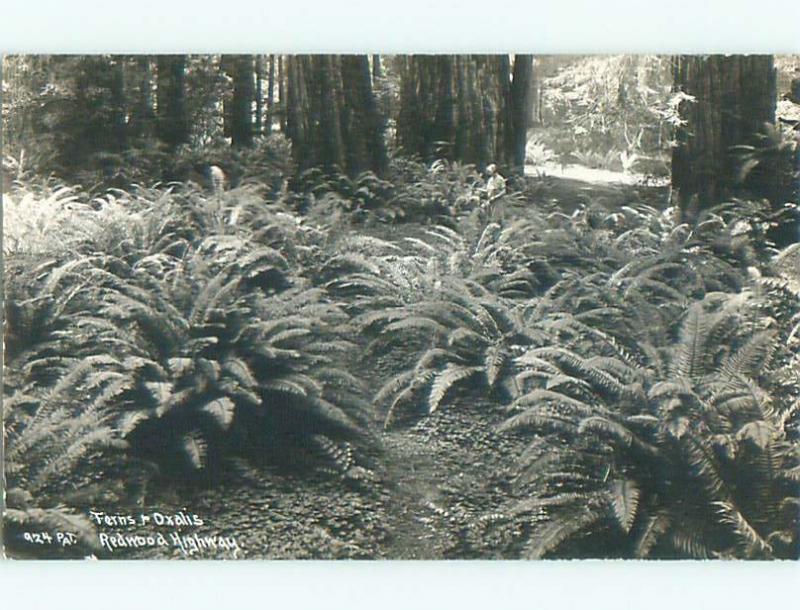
474 306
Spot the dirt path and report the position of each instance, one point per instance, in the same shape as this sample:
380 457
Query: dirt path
438 482
414 483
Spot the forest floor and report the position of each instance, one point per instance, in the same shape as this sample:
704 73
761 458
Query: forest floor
431 497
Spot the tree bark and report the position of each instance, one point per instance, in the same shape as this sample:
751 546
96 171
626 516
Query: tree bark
329 134
465 108
426 122
501 72
733 97
173 124
283 101
241 114
362 125
376 67
270 94
332 118
301 109
119 109
257 122
521 108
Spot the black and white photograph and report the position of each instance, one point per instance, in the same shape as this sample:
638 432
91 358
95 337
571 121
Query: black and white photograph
401 306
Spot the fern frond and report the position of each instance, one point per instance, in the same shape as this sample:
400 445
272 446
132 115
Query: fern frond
625 502
221 410
752 541
445 380
493 363
548 537
655 527
194 447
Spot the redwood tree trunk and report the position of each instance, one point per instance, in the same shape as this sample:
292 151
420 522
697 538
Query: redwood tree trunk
465 108
270 95
733 97
521 103
173 124
376 67
328 135
332 119
259 95
143 117
426 123
242 103
284 111
119 103
362 125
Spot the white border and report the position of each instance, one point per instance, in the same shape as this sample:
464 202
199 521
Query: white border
395 585
574 26
563 26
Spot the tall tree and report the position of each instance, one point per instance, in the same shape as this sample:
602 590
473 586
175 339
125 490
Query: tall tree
376 67
282 94
119 106
259 95
731 99
240 68
173 123
362 125
142 116
94 119
327 133
270 94
465 107
521 103
426 121
332 118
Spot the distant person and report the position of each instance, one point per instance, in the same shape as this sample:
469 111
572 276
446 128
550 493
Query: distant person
495 185
217 179
495 189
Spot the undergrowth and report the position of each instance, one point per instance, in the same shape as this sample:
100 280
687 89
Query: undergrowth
648 367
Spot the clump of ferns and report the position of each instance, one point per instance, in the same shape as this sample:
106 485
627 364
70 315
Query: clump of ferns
688 455
414 264
58 437
370 274
146 221
439 191
134 224
622 314
38 221
552 247
470 337
629 241
60 220
330 197
736 232
640 296
300 239
489 258
780 283
50 315
228 352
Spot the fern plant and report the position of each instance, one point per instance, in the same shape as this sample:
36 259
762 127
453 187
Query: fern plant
58 439
472 337
222 356
221 346
685 456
